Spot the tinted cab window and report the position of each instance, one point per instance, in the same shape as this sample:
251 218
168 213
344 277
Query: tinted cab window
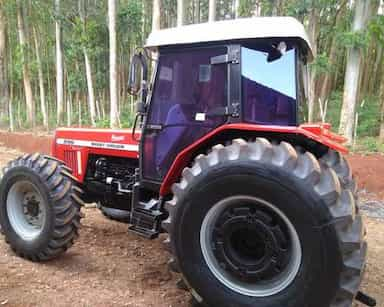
187 87
269 88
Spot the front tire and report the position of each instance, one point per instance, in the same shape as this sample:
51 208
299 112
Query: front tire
39 207
311 252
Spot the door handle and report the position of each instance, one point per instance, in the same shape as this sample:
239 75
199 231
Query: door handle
154 127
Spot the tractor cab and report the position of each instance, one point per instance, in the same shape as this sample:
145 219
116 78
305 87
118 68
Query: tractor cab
250 71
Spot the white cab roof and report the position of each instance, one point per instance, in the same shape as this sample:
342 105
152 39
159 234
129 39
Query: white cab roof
235 29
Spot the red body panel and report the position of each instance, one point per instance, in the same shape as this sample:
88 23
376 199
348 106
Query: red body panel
320 133
73 145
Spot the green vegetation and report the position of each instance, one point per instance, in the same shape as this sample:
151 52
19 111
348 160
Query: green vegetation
85 38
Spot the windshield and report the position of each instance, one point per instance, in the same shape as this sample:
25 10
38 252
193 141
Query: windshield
269 86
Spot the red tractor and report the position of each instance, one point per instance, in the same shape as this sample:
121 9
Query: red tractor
258 208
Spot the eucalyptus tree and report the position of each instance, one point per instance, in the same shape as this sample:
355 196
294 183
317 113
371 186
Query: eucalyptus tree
88 67
113 63
381 97
30 103
4 86
43 107
181 12
156 13
59 66
353 69
333 51
212 11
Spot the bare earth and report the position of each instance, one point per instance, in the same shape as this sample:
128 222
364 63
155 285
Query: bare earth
108 266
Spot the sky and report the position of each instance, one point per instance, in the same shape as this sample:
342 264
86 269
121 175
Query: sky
279 75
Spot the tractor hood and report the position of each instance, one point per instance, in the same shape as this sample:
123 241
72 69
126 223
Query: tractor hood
74 145
106 139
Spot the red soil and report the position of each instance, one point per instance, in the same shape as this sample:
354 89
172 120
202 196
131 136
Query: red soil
369 171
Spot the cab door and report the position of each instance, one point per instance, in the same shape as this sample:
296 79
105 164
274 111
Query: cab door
188 91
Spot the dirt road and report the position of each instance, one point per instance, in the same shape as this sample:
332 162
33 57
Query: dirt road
109 266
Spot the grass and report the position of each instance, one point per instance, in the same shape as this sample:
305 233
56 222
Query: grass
368 110
368 145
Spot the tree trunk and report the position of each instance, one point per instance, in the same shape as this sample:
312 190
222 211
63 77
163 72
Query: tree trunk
10 110
59 68
91 92
114 116
352 74
41 80
257 9
26 79
197 12
326 86
156 25
276 9
237 8
381 136
88 69
69 111
181 10
78 101
374 77
19 124
313 30
4 84
212 11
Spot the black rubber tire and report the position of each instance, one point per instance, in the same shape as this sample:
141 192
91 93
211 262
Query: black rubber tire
118 215
61 196
339 164
311 194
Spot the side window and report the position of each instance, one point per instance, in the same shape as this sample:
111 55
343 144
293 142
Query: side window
269 87
188 81
187 87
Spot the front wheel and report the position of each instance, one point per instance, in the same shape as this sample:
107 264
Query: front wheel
257 224
39 207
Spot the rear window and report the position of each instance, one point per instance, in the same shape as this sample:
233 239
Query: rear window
269 87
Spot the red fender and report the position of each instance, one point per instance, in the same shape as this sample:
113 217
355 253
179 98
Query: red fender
318 132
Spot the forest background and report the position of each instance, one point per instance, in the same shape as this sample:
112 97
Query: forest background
66 63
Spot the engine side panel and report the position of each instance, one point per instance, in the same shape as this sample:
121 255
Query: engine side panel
74 145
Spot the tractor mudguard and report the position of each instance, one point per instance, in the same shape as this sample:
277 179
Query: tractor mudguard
319 133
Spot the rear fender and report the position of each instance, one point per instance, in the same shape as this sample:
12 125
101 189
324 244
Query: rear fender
308 136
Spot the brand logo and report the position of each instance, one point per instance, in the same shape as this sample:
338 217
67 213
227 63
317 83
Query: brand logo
118 138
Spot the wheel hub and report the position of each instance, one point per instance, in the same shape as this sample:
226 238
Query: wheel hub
249 244
26 210
31 208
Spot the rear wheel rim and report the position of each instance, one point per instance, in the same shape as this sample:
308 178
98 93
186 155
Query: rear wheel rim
26 210
250 246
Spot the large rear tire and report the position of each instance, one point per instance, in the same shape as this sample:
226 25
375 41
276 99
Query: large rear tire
39 207
259 224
